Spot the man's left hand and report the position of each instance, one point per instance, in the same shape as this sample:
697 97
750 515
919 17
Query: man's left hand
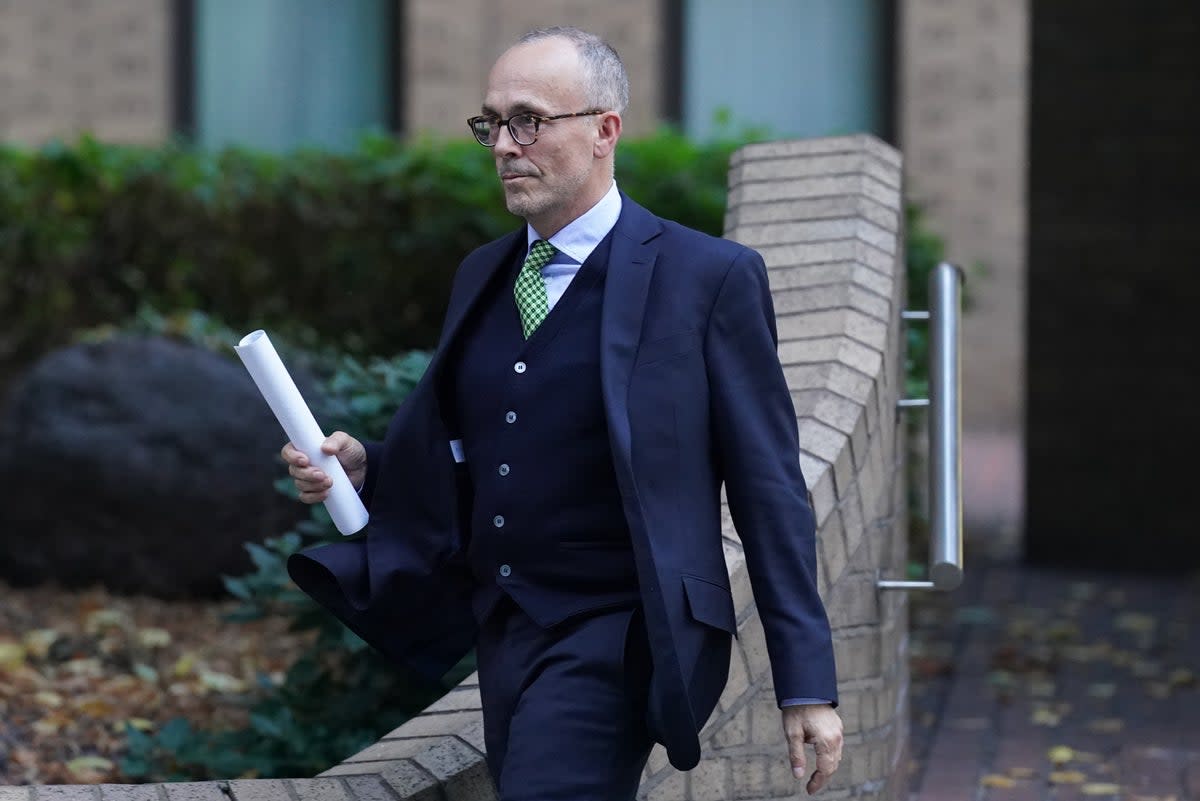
821 726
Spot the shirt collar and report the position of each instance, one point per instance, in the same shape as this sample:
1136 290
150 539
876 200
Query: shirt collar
579 238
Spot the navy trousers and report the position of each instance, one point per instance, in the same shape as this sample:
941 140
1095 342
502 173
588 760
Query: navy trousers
564 709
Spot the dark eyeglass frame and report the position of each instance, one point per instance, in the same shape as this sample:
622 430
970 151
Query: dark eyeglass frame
537 119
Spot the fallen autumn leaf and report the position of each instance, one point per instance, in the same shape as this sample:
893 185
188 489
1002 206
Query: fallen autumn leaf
1067 777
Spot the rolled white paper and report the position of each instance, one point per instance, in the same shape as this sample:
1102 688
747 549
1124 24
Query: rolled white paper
277 387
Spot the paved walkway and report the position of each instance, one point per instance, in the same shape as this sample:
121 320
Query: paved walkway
1051 684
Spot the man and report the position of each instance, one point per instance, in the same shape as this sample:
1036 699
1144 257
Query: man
550 492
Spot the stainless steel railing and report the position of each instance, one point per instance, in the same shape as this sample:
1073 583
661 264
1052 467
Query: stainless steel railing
945 429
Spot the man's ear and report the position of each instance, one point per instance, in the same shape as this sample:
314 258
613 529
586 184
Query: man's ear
607 134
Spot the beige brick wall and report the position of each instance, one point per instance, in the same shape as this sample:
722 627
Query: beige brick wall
451 44
962 103
73 65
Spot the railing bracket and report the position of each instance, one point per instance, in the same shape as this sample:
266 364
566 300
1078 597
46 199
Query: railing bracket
945 429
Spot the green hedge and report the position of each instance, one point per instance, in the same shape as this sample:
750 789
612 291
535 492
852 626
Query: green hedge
354 250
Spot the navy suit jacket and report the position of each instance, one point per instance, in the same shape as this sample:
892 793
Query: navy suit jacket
694 395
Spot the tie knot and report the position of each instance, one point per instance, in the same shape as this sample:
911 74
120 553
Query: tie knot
539 254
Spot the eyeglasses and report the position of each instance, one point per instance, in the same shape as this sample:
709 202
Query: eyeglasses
523 128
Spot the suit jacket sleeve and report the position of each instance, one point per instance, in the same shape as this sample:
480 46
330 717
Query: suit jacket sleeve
758 453
367 491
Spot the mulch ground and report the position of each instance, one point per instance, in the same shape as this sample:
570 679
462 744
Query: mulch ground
79 666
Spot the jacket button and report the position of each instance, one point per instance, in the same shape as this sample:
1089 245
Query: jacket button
511 417
505 571
503 470
519 367
498 521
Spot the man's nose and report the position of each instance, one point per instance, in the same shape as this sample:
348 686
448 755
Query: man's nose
505 144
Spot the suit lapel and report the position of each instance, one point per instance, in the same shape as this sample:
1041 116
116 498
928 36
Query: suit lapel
626 289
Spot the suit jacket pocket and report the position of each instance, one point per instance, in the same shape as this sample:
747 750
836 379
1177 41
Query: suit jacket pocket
666 348
710 604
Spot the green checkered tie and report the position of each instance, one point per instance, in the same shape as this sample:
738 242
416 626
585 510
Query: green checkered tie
531 288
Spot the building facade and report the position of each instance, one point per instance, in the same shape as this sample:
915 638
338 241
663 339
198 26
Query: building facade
945 80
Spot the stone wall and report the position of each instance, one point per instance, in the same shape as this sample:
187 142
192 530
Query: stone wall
825 214
450 46
963 98
72 65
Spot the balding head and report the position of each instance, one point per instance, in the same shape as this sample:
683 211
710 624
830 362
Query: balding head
605 82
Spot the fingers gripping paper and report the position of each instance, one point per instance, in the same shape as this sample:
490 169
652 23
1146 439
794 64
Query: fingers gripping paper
277 387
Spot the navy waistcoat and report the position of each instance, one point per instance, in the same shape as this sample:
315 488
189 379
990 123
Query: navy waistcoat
546 521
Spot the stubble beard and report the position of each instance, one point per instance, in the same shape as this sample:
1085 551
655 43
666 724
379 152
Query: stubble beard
523 204
536 203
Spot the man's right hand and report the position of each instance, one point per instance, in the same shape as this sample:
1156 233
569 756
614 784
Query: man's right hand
312 482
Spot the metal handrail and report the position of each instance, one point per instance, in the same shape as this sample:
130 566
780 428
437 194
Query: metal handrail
945 429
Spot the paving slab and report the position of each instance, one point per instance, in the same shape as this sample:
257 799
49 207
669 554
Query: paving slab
1047 684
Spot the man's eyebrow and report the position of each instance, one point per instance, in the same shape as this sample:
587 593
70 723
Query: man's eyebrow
519 108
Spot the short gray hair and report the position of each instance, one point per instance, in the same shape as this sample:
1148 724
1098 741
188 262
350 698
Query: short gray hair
606 83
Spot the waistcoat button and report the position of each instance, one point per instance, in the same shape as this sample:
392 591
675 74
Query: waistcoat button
505 571
511 417
503 470
519 367
498 521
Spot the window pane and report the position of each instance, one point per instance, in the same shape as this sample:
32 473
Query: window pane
801 67
275 74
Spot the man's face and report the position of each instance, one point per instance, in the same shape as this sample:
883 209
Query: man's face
547 183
